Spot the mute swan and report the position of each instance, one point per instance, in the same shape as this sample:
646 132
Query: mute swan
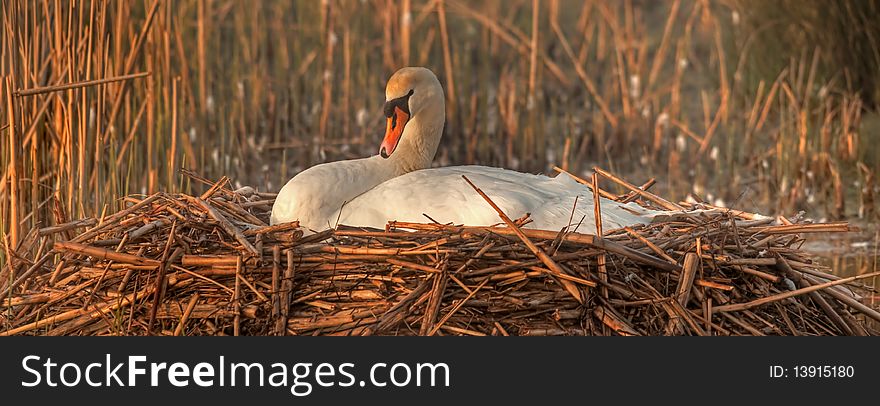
395 185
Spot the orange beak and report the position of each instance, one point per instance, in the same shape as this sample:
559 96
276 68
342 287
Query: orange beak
393 131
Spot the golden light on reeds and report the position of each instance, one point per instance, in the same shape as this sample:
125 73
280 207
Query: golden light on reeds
104 99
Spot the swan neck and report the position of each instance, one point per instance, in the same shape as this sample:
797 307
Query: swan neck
419 143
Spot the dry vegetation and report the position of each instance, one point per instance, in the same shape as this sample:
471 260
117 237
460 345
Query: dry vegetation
210 265
733 100
259 91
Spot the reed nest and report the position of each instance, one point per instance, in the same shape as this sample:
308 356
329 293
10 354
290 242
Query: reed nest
176 264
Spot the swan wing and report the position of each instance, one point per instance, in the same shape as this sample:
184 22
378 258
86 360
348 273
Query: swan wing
442 194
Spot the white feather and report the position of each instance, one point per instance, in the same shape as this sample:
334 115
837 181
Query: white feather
443 194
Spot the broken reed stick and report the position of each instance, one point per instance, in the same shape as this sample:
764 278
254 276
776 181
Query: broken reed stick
114 218
614 321
239 213
27 274
73 225
55 88
848 300
714 285
102 253
148 228
666 204
186 314
593 187
293 225
801 282
276 287
631 196
236 300
438 288
524 264
208 260
734 212
160 278
785 295
456 307
286 294
833 227
253 288
597 216
762 275
549 262
227 226
650 245
568 237
336 321
412 265
379 251
501 329
100 311
394 314
216 186
686 279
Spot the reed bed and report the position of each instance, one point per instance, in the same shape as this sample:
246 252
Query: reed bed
209 264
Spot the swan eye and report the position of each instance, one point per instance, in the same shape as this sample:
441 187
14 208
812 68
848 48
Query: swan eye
401 102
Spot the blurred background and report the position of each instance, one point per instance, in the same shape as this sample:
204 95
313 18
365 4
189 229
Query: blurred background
762 106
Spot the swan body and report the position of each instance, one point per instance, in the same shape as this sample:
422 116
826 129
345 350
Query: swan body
397 184
442 194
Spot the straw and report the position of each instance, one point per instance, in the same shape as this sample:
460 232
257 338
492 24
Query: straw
215 268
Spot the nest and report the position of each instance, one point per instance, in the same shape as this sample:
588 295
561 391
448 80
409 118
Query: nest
175 264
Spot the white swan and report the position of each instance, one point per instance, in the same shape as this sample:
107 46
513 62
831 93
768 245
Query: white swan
395 185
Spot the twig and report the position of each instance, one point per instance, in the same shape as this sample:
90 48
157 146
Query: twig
186 313
549 262
785 295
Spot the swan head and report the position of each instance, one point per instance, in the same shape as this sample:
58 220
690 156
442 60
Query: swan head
415 114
